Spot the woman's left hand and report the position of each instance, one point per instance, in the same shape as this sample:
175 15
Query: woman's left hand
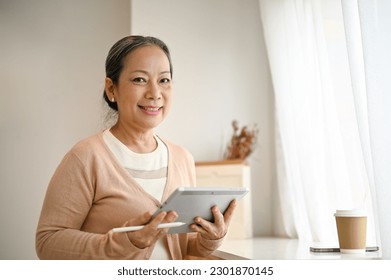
218 229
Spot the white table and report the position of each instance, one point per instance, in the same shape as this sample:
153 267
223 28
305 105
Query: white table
265 248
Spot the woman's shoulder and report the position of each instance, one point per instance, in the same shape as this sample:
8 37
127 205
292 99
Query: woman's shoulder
93 140
177 151
89 146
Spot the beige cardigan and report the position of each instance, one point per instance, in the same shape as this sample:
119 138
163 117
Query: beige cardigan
90 193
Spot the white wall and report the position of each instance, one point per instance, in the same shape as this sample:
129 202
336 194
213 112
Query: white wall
221 73
52 72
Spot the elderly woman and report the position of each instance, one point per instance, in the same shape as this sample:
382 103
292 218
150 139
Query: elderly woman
120 176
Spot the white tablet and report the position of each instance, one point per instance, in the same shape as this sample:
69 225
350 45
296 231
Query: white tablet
197 202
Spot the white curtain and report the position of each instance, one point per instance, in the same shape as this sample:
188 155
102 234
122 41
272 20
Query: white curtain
375 29
320 156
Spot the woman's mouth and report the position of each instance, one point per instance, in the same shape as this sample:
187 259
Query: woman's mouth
150 110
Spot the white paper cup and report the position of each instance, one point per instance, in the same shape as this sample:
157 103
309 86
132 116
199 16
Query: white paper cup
352 230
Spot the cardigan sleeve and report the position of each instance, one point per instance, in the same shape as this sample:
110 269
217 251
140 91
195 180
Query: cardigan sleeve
67 202
202 247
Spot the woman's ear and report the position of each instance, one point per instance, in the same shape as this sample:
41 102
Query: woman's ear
110 89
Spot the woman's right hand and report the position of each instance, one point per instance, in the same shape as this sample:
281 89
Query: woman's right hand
148 236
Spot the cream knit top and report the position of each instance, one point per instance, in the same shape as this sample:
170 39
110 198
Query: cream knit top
150 172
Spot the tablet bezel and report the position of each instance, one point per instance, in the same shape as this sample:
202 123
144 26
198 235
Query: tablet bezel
194 202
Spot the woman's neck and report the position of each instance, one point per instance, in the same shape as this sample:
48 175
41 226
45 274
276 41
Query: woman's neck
137 141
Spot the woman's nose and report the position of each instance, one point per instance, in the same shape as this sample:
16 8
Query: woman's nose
154 91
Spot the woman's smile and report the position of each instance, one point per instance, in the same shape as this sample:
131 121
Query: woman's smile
151 110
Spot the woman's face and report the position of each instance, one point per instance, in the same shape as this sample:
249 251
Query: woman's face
144 92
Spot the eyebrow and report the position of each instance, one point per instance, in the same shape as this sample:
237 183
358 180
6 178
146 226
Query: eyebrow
146 72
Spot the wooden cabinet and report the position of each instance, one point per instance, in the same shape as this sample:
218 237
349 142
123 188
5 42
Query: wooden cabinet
230 174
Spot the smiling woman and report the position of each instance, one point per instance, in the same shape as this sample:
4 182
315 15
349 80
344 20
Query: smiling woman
120 176
142 94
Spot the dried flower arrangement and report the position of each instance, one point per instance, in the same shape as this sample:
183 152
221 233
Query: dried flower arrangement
243 142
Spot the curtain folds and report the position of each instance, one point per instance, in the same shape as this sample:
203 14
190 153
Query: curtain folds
319 117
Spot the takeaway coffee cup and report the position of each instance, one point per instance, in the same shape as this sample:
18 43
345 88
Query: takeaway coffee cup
352 230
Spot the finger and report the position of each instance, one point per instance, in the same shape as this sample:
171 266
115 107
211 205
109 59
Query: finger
206 228
145 218
228 214
141 220
205 224
170 217
147 236
217 216
198 227
158 219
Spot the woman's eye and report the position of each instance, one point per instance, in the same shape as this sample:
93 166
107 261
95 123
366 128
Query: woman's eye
139 80
165 80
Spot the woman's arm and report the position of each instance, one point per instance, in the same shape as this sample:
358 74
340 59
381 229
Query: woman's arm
68 200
